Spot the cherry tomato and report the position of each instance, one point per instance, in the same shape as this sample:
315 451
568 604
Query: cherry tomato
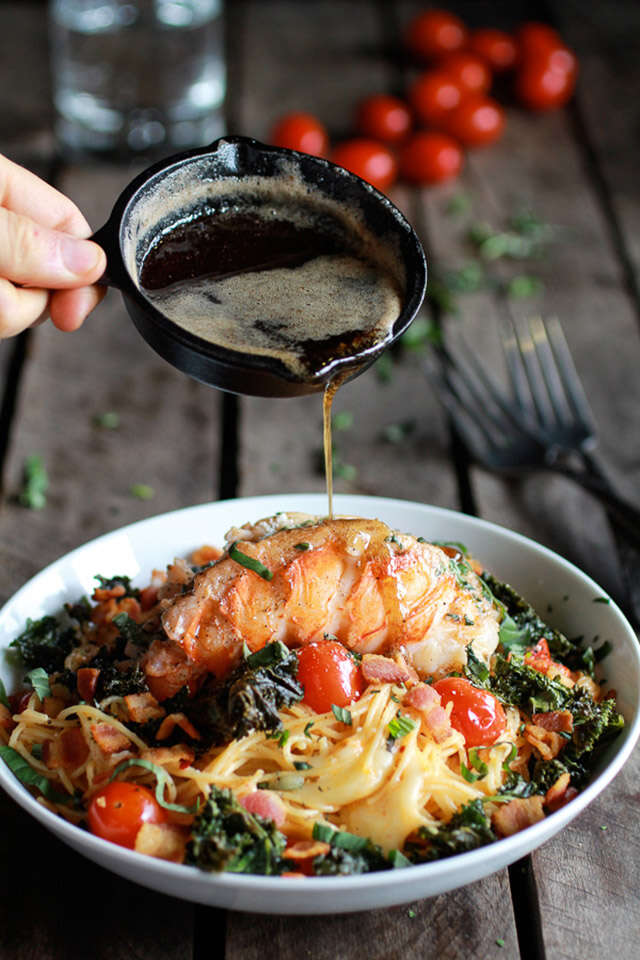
384 118
430 157
368 159
536 40
471 71
498 48
539 657
434 95
300 131
477 122
476 714
117 811
434 33
329 675
541 86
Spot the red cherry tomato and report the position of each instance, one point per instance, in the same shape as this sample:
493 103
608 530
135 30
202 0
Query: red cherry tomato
434 33
368 159
471 71
329 675
536 39
300 131
430 157
498 48
384 118
434 95
541 86
476 714
477 122
117 811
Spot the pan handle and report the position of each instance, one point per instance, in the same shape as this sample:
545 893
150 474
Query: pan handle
115 274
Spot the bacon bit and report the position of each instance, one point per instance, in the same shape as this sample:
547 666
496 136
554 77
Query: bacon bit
547 743
166 841
143 707
307 850
6 719
174 720
148 598
87 681
108 738
52 706
518 814
69 750
379 669
107 593
426 701
558 721
559 793
180 754
205 554
402 661
168 669
265 803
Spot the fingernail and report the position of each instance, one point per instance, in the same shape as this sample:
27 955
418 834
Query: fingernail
78 256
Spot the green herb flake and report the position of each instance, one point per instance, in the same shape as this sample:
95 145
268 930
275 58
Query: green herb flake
604 827
251 563
342 420
301 765
107 421
601 600
400 726
162 780
499 942
284 736
302 546
307 729
35 483
411 913
457 204
522 287
39 680
397 433
142 491
342 714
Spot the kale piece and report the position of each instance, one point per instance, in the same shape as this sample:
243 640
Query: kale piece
225 836
110 583
466 830
131 631
593 723
45 643
516 786
349 854
114 682
526 627
519 684
249 699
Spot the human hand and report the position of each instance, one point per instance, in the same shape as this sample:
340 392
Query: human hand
47 267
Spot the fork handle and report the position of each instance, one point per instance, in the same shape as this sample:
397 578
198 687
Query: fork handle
593 479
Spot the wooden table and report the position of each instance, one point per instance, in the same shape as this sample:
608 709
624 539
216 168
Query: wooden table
576 897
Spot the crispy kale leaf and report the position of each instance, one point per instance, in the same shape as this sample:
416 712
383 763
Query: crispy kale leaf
109 583
519 684
249 699
524 628
225 836
466 830
45 643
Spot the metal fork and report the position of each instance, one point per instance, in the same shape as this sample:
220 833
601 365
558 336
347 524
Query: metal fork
542 421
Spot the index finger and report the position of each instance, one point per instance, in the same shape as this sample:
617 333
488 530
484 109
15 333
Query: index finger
23 192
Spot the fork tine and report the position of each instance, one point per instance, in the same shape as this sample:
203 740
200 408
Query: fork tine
473 430
556 393
569 378
515 368
538 406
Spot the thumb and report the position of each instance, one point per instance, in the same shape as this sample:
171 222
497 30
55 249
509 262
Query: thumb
36 256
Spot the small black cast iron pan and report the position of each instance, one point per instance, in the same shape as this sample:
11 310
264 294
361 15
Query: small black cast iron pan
175 188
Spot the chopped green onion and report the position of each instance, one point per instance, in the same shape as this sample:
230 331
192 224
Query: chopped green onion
307 729
400 726
251 563
477 763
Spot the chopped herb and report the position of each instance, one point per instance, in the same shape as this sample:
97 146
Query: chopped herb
342 420
397 433
601 600
453 616
499 942
108 421
163 779
422 333
458 203
467 774
39 680
342 714
131 630
25 773
142 491
521 287
384 368
251 563
301 765
411 913
35 483
284 736
307 729
604 827
400 726
302 546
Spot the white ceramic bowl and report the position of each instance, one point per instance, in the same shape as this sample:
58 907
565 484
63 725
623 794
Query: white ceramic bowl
540 575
